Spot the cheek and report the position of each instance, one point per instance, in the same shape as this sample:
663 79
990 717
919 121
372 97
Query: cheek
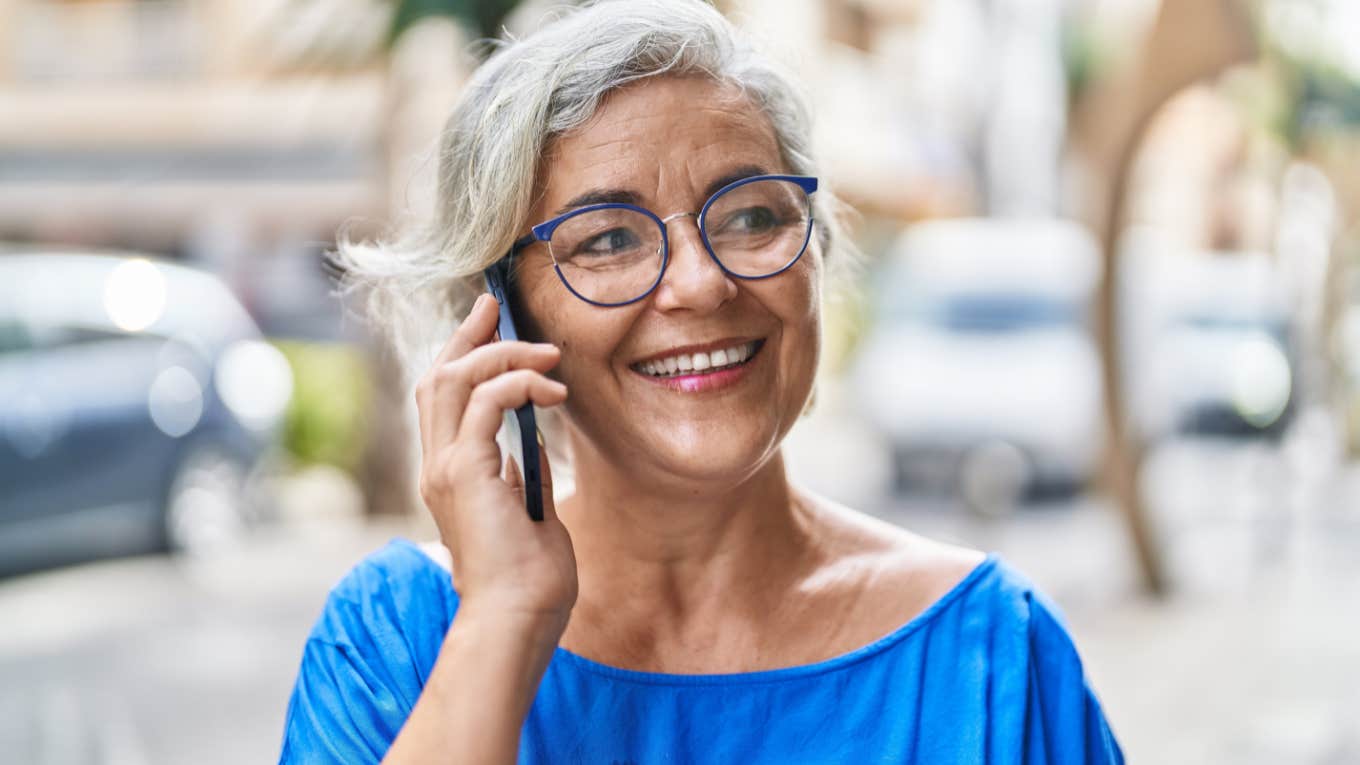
586 335
799 301
800 313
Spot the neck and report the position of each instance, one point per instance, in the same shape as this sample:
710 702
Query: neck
679 549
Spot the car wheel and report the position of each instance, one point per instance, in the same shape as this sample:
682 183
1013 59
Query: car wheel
207 504
992 478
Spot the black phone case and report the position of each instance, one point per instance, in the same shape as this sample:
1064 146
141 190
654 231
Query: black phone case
497 277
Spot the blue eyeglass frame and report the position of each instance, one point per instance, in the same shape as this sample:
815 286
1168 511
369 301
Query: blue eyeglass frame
543 233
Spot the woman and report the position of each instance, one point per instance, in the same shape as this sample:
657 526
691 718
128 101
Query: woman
686 603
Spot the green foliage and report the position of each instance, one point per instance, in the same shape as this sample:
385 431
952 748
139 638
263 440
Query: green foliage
484 17
327 418
1085 57
1320 95
1329 99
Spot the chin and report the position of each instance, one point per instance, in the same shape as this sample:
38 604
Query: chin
712 449
719 463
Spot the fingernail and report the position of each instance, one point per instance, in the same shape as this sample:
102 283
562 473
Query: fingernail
540 436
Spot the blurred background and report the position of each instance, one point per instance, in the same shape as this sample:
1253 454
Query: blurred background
1108 325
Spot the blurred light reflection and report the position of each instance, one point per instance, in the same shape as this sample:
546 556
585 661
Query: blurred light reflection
134 295
175 401
254 380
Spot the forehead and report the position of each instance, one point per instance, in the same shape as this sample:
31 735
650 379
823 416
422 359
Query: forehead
659 131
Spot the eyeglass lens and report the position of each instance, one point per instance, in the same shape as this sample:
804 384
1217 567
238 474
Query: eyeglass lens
615 255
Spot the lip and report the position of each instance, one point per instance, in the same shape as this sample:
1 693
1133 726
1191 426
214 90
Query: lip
678 350
705 381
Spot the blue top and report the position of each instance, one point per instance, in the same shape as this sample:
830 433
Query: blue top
986 674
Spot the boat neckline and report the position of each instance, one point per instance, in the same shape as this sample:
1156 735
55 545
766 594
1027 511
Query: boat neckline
841 661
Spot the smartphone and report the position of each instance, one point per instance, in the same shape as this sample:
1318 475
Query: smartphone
521 428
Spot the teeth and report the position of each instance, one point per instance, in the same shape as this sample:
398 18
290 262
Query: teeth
697 362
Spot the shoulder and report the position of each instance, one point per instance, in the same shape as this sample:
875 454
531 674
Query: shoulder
368 656
898 570
993 637
400 587
888 559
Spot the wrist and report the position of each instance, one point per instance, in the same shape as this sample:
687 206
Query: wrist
535 626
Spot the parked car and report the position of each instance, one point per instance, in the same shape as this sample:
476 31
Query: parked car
137 399
1210 344
1348 340
979 366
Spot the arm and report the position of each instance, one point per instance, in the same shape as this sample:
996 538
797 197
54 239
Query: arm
360 694
480 690
517 576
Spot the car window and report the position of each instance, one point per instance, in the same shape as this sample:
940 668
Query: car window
17 336
14 336
67 336
1002 312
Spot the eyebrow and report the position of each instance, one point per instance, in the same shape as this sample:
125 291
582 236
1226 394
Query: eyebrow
630 197
599 197
741 173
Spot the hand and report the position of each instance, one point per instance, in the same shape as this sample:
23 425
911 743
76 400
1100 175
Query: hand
504 563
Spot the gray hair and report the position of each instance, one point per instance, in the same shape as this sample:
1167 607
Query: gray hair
419 285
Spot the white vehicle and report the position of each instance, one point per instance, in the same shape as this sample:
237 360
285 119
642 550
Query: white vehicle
1209 342
980 368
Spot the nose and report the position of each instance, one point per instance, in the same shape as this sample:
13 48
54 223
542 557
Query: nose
693 279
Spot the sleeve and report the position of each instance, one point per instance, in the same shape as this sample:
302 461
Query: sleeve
365 662
340 710
1064 724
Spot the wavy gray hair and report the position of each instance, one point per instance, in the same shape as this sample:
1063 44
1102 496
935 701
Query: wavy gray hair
418 285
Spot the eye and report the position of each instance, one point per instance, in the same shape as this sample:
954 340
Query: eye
610 242
751 220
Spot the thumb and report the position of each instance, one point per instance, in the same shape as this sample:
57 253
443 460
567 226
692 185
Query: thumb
545 473
511 475
514 478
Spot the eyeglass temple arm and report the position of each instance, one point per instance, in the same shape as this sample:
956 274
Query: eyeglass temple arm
521 243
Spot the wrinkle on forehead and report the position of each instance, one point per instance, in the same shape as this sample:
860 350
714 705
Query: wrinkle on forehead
720 97
611 137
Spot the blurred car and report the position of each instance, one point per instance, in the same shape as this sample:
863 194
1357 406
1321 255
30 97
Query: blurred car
979 366
136 401
1211 346
1348 340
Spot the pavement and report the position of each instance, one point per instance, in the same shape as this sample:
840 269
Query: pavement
162 660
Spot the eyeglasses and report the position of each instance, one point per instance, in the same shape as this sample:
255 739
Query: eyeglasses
613 254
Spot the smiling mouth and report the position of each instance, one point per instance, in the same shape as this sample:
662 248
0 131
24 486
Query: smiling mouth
703 363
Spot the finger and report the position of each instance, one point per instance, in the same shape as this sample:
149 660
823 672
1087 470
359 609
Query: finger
545 473
512 476
488 402
477 329
455 381
423 414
